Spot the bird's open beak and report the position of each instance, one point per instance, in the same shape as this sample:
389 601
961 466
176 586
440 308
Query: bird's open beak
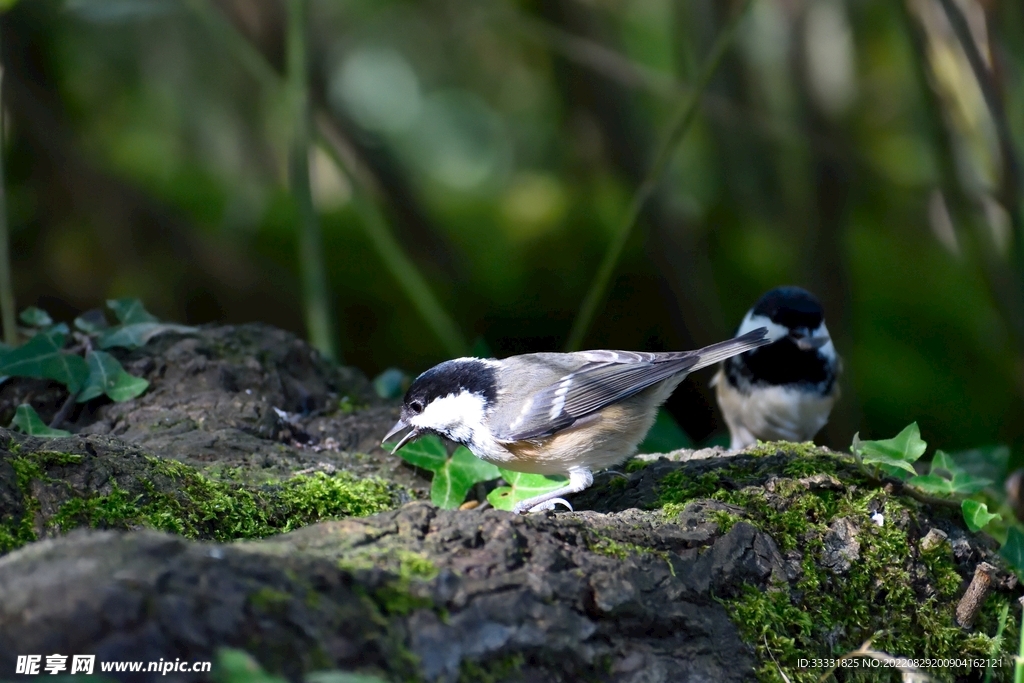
399 426
808 343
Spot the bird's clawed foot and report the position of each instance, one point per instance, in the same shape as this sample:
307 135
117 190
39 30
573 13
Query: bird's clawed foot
521 509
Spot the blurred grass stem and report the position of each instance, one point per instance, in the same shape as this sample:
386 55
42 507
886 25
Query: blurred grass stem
372 219
1010 190
1002 281
8 313
316 292
390 252
682 119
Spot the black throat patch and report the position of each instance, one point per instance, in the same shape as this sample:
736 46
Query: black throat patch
781 364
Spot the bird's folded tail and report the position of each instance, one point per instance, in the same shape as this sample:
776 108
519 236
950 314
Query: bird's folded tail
716 353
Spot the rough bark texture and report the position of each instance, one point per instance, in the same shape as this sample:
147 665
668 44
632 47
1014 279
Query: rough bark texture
693 567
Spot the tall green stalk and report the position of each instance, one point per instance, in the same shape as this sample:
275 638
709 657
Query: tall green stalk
8 311
1018 664
683 118
372 219
316 292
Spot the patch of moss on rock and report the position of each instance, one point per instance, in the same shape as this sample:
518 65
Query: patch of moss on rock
50 492
850 578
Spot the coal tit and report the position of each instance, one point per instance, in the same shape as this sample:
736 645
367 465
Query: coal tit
786 390
553 413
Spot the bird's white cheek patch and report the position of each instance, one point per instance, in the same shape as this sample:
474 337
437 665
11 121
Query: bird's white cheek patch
458 415
751 322
827 349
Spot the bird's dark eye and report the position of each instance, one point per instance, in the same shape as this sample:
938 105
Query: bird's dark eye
416 407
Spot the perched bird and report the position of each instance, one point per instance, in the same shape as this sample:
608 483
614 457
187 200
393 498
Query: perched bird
786 390
553 413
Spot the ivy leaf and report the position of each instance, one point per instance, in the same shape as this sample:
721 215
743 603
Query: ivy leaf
522 486
134 335
458 475
130 311
942 461
1013 550
665 436
107 376
932 483
427 453
42 357
897 453
959 481
35 317
92 321
27 420
976 514
987 462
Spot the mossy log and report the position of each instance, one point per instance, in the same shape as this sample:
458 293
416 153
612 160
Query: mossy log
694 566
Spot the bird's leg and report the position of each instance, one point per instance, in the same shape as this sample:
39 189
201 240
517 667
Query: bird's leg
579 479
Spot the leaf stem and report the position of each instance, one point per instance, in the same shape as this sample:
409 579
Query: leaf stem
680 124
65 410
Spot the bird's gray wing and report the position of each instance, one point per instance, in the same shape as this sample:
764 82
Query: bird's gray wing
608 377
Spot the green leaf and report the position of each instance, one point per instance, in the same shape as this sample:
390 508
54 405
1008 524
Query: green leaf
987 462
35 317
27 420
959 481
238 666
522 486
107 376
42 357
92 321
341 677
976 514
942 461
130 311
427 452
897 452
665 436
134 335
1013 550
932 483
458 475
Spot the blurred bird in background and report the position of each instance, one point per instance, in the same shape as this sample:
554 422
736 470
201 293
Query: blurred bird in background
786 390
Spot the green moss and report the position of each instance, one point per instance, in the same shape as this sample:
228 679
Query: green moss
620 551
724 520
174 497
899 598
270 600
409 569
635 465
413 565
609 547
804 449
497 670
16 531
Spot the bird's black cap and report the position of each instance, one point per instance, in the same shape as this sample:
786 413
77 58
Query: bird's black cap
790 306
452 377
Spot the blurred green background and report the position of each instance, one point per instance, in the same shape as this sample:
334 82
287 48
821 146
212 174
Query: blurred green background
471 163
